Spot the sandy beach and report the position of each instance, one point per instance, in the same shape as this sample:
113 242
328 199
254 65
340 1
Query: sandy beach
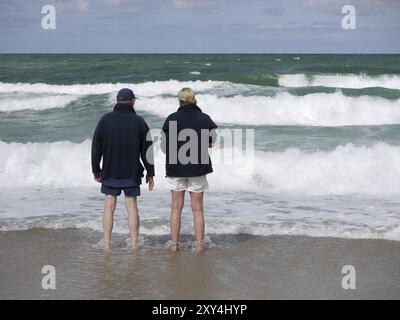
233 267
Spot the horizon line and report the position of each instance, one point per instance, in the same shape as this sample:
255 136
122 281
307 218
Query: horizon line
201 53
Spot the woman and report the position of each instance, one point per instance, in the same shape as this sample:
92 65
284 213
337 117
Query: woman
188 133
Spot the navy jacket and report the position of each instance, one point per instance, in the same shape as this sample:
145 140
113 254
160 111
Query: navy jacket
120 139
188 117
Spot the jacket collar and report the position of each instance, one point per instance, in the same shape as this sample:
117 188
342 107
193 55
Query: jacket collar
123 108
189 107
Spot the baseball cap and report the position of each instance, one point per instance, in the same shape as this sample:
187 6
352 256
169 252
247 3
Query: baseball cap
125 94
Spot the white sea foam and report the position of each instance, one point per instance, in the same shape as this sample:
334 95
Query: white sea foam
59 164
40 96
356 81
147 89
345 170
318 109
226 102
38 103
237 213
349 192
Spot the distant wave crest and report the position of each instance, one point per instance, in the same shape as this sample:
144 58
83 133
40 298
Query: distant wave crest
340 81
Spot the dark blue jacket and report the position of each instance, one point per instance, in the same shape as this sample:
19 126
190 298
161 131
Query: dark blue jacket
120 139
188 117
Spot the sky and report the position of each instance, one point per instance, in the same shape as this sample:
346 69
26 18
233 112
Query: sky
200 26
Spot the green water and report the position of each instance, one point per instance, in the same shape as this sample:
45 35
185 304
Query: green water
326 131
260 73
248 69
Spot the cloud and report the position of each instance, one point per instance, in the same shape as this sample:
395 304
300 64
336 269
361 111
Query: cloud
275 11
178 4
16 15
127 7
195 4
72 5
113 3
219 25
363 7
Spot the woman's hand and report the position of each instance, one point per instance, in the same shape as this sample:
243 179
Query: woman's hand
150 181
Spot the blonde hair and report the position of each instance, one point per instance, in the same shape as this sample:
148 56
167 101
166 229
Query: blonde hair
187 96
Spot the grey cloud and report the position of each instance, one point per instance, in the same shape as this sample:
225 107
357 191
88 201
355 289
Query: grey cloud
16 14
275 11
190 4
128 6
363 7
72 5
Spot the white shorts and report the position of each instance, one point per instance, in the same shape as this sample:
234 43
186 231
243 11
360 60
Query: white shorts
192 184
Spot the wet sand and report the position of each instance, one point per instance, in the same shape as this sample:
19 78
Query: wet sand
236 267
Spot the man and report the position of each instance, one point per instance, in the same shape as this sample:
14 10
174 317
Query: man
121 139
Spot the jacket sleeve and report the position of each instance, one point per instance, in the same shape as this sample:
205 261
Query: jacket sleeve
164 135
213 133
146 149
97 146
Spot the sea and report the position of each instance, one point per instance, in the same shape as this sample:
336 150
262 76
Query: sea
326 159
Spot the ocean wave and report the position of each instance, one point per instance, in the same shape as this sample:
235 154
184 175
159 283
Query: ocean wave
41 96
38 103
317 109
225 102
145 89
220 226
355 81
345 170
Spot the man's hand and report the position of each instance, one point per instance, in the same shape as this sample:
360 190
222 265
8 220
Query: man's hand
97 177
150 181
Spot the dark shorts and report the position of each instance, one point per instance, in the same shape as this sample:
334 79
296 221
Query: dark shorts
116 191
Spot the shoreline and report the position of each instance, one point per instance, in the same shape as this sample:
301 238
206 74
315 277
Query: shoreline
234 267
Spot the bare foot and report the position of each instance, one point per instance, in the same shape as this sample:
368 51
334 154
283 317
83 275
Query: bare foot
200 246
174 246
106 246
135 244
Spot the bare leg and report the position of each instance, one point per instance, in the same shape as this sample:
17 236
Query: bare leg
178 199
110 202
196 199
133 220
